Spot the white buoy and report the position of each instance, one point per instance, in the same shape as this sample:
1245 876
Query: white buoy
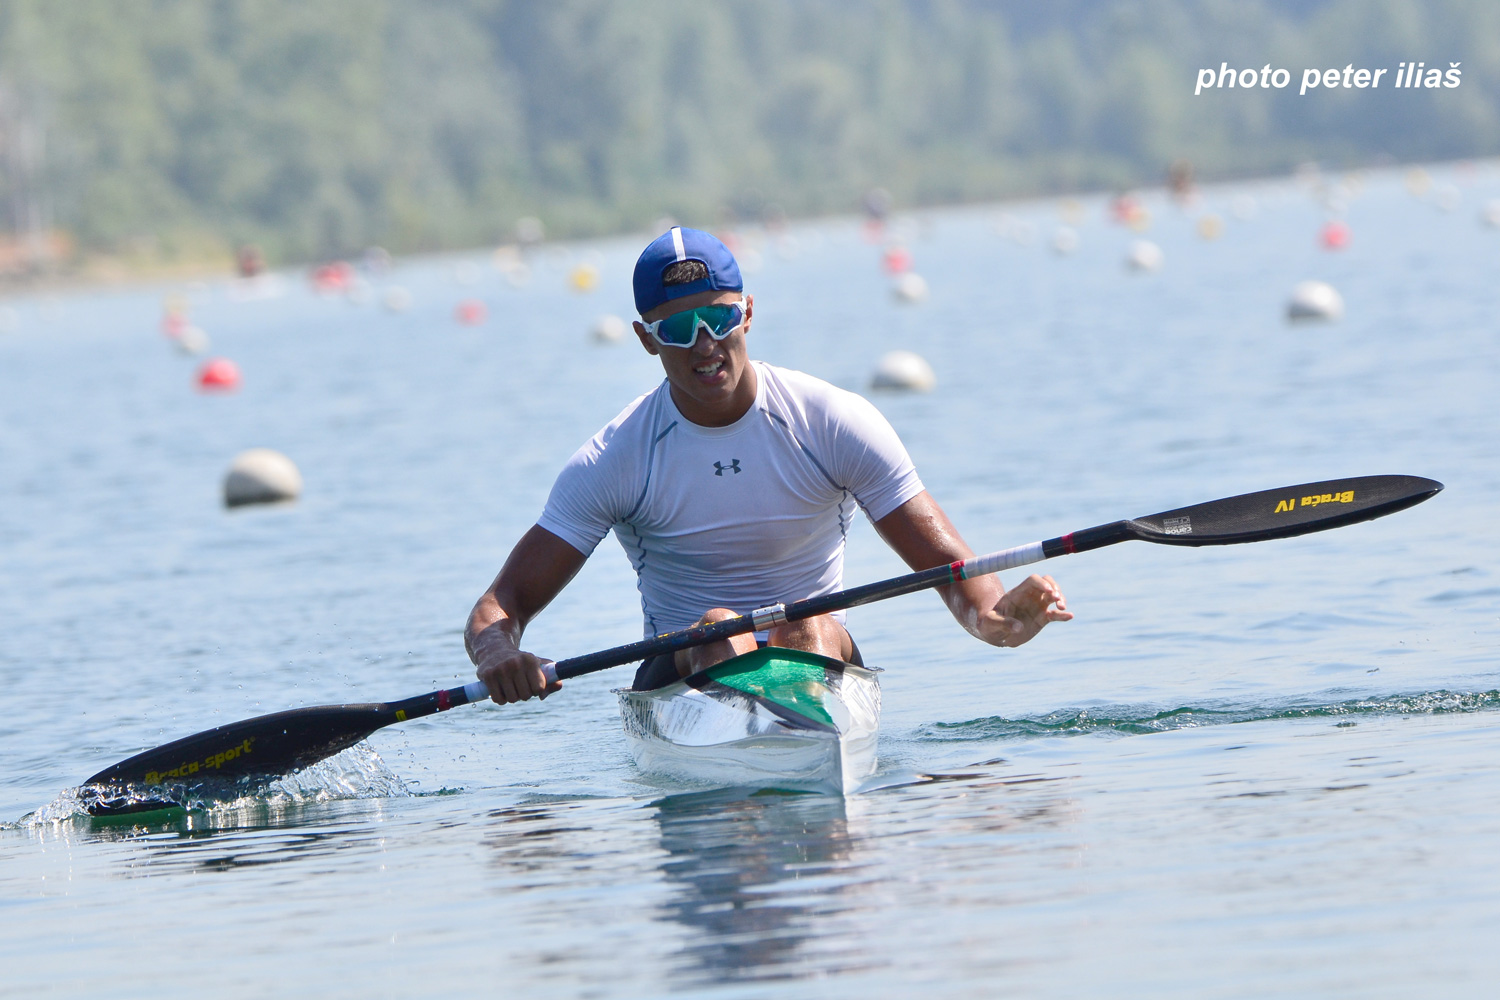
1490 215
357 292
1065 240
529 230
609 329
1143 256
396 299
191 340
904 370
1315 300
909 287
519 275
261 475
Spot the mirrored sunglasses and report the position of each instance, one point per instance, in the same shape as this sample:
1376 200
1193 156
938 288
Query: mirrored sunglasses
682 329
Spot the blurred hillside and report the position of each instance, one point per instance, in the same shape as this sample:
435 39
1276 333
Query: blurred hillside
167 128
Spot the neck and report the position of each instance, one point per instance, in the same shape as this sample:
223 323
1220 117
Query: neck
719 414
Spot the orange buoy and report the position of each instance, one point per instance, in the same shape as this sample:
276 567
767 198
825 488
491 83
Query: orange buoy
471 312
219 375
1335 235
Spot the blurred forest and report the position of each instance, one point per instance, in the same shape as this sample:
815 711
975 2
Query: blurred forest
180 128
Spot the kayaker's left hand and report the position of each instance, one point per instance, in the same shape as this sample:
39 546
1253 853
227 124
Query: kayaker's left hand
1023 611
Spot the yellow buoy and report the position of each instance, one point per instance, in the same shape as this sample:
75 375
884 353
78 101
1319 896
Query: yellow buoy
583 278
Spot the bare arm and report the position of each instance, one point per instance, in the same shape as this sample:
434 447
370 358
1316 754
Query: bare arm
538 568
922 535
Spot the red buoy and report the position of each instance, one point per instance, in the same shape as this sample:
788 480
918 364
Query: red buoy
219 375
173 323
1124 208
896 260
333 278
471 312
1335 235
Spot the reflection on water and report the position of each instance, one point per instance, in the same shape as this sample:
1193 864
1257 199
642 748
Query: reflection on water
757 879
775 886
315 851
248 833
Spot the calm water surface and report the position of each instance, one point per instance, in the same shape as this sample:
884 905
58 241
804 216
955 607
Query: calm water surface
1245 771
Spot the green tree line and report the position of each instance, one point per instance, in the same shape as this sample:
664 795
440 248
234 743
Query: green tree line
318 127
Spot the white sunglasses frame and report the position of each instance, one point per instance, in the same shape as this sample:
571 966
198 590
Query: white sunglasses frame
655 325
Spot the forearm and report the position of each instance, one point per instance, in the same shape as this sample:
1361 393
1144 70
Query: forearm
538 568
492 628
923 536
970 600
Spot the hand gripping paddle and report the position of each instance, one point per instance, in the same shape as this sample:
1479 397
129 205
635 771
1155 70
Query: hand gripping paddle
286 741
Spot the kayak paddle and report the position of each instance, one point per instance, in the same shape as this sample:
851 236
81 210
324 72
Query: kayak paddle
283 742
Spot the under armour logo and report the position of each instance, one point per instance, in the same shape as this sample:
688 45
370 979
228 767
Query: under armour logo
733 466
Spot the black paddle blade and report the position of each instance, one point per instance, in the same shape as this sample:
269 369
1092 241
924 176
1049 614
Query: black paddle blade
1294 510
267 746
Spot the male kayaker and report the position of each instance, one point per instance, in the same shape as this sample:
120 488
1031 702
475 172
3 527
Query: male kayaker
731 486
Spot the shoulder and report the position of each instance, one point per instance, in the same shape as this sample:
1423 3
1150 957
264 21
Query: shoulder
596 485
793 393
818 405
632 428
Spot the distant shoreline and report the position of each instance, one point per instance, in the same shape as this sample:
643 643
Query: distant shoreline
117 271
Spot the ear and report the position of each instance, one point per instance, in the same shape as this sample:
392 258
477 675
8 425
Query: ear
749 314
647 341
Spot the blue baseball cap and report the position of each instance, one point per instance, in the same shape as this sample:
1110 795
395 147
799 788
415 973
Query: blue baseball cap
681 243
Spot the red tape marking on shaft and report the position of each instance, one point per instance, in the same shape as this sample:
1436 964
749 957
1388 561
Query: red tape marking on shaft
956 570
444 702
1067 541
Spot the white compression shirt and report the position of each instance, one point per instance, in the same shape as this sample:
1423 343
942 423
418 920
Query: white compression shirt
740 516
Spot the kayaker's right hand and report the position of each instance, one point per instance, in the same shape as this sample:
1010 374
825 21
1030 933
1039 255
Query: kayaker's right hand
514 675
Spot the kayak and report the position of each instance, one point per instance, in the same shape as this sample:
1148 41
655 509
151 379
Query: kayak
772 718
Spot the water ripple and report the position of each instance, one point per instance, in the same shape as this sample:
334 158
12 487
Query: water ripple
1136 720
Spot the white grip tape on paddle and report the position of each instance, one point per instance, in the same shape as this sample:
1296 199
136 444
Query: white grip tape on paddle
476 691
994 562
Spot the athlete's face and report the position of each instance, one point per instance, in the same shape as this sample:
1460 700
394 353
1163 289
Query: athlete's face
712 381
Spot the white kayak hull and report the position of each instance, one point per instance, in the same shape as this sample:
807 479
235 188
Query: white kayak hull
774 718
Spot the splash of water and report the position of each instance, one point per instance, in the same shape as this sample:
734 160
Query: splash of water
355 773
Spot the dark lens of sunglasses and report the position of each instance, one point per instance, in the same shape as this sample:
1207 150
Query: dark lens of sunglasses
681 329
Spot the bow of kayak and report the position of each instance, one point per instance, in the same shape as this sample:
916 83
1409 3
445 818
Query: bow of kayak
772 718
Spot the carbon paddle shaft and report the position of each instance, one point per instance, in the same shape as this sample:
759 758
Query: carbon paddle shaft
1253 517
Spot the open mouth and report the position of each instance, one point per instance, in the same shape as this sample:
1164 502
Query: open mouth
709 370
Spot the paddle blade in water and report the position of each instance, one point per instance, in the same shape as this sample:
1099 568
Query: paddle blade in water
269 745
1294 510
